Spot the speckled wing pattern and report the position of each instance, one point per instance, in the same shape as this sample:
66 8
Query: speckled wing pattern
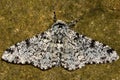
59 46
40 51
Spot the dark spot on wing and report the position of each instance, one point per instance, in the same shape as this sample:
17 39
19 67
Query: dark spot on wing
107 61
10 50
103 58
27 42
61 49
93 62
113 60
76 38
56 48
44 37
92 44
77 34
32 63
110 50
57 41
104 45
36 36
16 45
61 42
83 36
87 63
42 34
16 57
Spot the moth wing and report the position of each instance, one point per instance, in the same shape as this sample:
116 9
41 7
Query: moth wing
80 50
39 51
97 52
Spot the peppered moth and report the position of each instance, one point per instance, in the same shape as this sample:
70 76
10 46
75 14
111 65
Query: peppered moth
59 46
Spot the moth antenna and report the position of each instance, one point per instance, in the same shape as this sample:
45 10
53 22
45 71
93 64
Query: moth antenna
74 22
54 17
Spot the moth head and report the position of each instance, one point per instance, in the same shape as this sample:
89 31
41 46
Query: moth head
60 24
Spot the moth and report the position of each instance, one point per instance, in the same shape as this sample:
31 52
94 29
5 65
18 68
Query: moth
59 46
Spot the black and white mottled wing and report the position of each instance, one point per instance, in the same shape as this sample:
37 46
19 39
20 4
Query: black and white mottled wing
37 51
59 46
80 50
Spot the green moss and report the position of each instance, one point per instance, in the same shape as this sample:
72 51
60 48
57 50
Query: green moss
24 18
